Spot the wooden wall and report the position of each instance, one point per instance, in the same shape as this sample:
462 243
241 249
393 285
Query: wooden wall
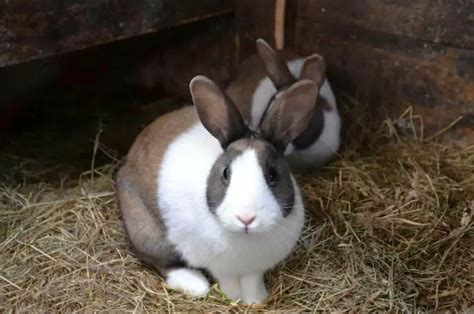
99 59
253 20
394 54
33 29
141 69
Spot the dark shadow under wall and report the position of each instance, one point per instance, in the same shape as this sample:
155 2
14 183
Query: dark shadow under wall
53 110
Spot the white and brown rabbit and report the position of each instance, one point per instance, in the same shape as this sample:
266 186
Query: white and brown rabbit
262 79
199 189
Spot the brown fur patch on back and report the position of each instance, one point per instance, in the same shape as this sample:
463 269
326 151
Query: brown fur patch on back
137 188
251 71
146 154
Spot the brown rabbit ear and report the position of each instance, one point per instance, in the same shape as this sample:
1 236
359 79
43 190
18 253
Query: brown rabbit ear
276 68
290 115
314 68
217 112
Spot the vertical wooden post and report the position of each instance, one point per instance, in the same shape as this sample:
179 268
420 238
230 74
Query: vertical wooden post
280 7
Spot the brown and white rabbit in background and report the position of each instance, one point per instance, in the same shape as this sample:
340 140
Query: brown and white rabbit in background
199 189
262 79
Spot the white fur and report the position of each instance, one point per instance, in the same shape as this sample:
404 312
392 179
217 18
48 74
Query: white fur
189 281
328 142
262 95
258 201
253 288
223 248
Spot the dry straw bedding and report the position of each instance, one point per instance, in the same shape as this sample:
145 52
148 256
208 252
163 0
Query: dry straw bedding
389 228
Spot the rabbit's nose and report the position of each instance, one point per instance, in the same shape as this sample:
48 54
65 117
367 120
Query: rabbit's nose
246 220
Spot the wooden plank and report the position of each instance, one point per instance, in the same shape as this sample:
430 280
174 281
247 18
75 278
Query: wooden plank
253 20
39 28
392 72
446 22
204 48
280 7
142 67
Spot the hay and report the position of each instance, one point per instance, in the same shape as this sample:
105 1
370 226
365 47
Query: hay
390 228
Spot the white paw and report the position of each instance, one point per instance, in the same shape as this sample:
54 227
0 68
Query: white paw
189 281
253 289
233 294
255 298
231 288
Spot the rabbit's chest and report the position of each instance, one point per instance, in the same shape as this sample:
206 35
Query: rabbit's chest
257 253
228 257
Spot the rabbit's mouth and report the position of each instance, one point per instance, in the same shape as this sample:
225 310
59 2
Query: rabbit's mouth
258 221
235 228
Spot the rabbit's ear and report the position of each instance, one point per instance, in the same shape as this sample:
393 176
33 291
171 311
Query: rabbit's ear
217 112
314 68
289 116
276 68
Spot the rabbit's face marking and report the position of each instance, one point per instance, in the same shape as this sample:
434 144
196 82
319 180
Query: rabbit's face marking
250 188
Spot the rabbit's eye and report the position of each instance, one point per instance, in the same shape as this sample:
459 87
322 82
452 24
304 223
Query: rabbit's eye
226 174
272 176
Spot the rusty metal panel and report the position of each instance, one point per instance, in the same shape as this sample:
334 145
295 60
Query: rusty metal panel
31 29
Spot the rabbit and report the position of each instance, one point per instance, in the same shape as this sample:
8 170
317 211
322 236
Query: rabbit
200 190
260 80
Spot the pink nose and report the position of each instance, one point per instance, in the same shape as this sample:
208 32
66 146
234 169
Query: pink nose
246 220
